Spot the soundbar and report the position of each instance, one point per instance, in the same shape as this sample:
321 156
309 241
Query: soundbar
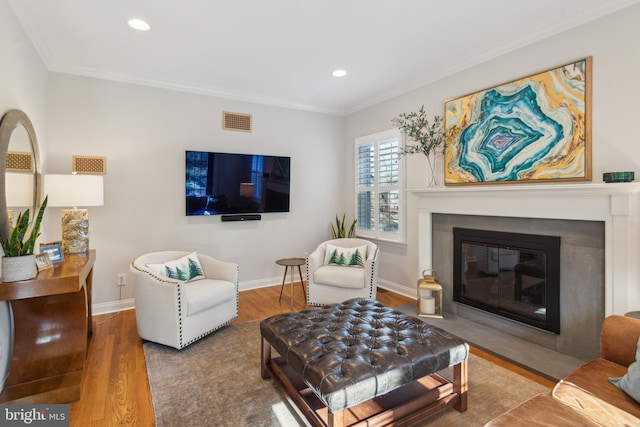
241 217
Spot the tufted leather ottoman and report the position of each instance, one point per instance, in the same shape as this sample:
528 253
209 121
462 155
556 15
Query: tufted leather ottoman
363 362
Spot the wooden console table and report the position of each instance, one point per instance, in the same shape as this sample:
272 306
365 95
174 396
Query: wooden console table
52 332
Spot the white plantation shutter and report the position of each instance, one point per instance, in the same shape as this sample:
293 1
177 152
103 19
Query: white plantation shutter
379 186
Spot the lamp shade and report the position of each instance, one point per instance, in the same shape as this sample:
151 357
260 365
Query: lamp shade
74 190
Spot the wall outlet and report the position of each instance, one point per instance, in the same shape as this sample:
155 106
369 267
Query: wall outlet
121 279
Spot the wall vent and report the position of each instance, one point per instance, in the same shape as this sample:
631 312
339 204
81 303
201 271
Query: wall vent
236 121
90 165
18 161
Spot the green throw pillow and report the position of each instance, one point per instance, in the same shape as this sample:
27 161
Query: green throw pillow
630 383
186 269
346 257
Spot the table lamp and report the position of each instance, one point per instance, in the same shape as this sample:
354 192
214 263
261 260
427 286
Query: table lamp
74 191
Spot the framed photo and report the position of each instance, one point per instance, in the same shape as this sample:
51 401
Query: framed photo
532 130
43 261
54 250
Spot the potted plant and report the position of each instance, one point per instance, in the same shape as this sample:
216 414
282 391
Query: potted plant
18 262
429 136
338 229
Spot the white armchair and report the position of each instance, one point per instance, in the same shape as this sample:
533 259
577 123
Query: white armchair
177 313
330 282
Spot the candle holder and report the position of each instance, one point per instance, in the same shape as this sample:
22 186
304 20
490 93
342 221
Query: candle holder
429 296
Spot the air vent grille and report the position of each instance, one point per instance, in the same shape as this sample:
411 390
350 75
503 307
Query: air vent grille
90 165
236 121
19 161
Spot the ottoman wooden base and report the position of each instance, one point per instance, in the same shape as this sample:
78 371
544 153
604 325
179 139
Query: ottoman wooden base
403 406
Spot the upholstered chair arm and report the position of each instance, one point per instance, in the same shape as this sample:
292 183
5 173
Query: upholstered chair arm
619 339
217 269
155 292
156 305
371 259
315 260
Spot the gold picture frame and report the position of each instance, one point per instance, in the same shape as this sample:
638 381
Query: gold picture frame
43 261
532 130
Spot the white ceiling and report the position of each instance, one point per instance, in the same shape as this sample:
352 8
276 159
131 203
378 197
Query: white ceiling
282 52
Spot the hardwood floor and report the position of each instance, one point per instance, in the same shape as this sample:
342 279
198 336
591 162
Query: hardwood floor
116 391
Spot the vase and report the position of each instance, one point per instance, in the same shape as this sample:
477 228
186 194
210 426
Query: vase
432 170
18 268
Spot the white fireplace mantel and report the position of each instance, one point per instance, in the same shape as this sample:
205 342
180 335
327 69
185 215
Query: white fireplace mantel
617 205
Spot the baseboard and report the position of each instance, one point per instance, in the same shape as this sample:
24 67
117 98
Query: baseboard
111 307
129 304
398 289
264 283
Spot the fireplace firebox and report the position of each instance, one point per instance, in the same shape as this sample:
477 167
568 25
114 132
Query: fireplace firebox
513 275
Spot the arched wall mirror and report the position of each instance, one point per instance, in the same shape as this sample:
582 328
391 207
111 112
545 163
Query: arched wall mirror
20 187
20 178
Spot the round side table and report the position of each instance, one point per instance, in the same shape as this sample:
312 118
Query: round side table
291 263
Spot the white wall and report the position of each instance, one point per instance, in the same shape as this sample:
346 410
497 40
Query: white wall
144 132
23 76
612 41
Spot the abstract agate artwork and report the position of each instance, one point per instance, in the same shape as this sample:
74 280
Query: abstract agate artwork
535 129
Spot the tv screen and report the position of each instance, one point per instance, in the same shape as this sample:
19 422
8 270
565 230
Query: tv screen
228 183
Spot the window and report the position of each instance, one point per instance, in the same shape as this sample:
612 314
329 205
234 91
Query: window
379 186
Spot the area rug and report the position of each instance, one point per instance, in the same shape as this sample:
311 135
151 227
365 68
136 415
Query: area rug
216 382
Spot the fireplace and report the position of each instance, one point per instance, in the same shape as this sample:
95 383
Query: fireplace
616 205
599 226
513 275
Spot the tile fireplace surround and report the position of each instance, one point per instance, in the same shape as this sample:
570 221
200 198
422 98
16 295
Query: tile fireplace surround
617 206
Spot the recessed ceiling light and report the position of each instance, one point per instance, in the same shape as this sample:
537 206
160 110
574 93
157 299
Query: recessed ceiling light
139 24
339 73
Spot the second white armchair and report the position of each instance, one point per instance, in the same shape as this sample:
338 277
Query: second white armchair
341 269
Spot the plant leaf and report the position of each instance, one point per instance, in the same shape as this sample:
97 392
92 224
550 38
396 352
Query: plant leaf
430 137
15 245
35 231
339 231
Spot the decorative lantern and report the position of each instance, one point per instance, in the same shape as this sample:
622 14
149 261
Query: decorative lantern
429 296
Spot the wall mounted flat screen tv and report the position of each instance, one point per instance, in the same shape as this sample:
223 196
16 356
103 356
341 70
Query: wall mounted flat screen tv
229 183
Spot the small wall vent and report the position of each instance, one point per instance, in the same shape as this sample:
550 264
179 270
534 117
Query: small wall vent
236 121
90 165
18 161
